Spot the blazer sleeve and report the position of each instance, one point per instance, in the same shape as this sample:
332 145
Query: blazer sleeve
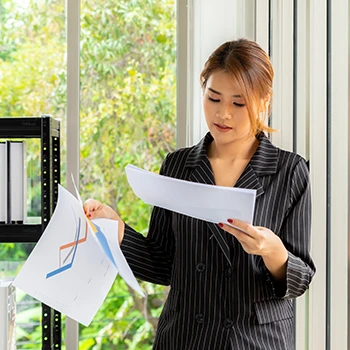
151 257
295 234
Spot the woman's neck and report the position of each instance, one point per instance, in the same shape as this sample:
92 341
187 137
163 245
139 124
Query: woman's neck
237 150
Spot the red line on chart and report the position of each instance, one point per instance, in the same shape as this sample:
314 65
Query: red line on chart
72 244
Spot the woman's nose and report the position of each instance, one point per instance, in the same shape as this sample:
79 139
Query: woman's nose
224 114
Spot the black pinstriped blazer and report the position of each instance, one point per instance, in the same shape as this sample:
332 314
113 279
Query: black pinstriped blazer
221 297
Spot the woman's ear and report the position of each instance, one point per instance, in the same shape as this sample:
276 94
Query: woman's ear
265 106
266 103
264 110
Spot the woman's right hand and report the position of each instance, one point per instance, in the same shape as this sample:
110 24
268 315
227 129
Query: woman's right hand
94 209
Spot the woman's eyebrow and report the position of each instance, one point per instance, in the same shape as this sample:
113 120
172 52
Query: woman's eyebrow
219 93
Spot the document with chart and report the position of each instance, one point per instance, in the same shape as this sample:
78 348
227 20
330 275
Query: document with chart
75 262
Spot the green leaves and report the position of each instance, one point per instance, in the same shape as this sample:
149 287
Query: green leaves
128 115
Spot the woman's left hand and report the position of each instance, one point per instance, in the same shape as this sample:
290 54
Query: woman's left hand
255 240
261 241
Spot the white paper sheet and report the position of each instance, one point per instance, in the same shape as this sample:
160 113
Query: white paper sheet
75 262
206 202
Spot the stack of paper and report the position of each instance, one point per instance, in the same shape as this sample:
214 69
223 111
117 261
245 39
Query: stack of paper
75 262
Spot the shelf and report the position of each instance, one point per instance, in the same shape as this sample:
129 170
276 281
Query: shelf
20 233
47 130
30 127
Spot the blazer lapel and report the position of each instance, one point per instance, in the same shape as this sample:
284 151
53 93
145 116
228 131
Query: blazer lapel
263 163
250 180
202 173
199 163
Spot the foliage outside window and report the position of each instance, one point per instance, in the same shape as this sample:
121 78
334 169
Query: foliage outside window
127 116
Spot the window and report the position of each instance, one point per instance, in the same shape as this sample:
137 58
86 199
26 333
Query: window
127 115
32 82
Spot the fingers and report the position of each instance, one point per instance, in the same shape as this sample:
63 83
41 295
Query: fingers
239 233
241 230
94 209
91 208
254 239
241 225
91 204
245 233
236 227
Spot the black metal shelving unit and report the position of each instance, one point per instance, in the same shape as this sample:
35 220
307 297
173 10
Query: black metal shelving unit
47 130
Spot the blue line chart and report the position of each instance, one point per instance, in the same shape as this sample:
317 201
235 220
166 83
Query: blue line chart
69 265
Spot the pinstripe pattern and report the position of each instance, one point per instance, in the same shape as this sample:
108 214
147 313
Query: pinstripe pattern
221 297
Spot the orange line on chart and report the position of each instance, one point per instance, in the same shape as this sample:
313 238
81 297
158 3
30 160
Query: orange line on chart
72 244
81 240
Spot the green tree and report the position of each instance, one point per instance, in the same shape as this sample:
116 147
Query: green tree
127 114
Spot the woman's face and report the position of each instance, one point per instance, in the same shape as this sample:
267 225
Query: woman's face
225 110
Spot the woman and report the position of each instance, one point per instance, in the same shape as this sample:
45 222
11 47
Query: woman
229 289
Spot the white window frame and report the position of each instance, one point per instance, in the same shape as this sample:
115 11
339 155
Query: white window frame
72 126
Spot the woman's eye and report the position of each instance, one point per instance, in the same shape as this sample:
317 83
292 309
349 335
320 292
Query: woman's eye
239 104
212 99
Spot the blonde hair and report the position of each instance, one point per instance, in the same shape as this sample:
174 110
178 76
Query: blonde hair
250 67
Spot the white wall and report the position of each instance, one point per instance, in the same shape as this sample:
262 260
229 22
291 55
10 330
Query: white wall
209 24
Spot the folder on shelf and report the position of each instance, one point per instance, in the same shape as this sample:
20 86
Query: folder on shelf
17 182
3 182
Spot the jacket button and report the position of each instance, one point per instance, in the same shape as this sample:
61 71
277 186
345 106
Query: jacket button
199 318
228 272
228 323
200 267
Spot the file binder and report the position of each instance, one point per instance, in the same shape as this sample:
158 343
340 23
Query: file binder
3 182
17 182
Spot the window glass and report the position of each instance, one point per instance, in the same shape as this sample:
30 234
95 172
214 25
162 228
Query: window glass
32 83
127 116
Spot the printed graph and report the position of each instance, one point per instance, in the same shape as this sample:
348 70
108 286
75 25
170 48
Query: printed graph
73 264
68 260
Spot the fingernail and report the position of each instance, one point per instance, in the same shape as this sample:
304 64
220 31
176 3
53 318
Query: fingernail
230 221
221 224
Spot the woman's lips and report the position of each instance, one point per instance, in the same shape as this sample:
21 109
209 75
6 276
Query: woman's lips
222 128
